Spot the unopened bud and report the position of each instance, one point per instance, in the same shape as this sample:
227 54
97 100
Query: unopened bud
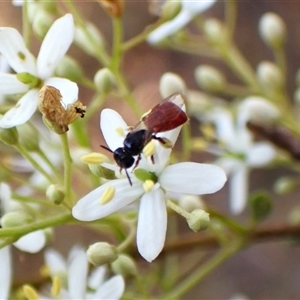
171 83
191 202
104 80
55 194
124 265
15 219
286 185
269 75
42 21
215 31
28 137
70 69
210 78
170 10
198 220
272 30
9 136
101 253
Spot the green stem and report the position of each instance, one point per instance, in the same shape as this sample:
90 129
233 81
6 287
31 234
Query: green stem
35 164
177 209
186 142
129 239
26 24
230 18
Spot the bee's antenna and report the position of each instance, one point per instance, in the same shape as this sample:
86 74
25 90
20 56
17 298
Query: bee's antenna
106 148
128 177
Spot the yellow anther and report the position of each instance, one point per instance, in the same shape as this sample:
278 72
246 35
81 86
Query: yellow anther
148 185
30 293
120 131
208 131
107 195
149 149
94 158
45 271
56 286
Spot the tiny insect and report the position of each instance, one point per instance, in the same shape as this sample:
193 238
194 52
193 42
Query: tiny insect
165 116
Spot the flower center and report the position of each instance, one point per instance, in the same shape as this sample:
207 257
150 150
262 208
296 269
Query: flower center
144 175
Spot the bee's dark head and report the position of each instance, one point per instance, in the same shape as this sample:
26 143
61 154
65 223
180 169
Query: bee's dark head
123 159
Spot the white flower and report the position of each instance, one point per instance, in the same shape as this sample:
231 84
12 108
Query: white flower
12 46
188 11
74 272
188 177
6 272
240 153
31 242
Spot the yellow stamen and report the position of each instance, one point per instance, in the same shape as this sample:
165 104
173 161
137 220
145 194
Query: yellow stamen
148 185
149 149
56 286
120 131
94 158
30 293
107 195
45 271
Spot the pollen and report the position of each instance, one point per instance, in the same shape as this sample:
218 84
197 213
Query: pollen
148 185
149 149
94 158
30 293
56 286
107 195
120 131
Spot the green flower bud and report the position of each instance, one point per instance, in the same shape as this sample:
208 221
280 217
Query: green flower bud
270 75
28 137
101 253
191 202
210 78
69 68
272 30
198 220
260 205
124 265
170 10
89 39
15 218
104 80
42 21
215 31
286 185
9 136
55 194
171 83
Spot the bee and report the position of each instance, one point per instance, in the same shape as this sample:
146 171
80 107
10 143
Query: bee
165 116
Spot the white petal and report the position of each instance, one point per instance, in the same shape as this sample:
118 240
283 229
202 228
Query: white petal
196 7
111 289
67 88
5 198
22 111
55 45
238 190
77 275
11 85
152 224
110 122
55 262
88 208
13 48
32 242
6 272
97 277
260 154
192 178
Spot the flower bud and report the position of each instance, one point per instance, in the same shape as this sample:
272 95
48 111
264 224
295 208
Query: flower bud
9 136
124 265
191 202
261 206
215 31
170 10
104 80
89 39
28 137
269 75
198 220
209 78
69 68
101 253
42 21
272 30
286 185
55 194
198 103
15 218
171 83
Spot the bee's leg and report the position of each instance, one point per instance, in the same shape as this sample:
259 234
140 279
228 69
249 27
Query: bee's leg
166 143
152 159
137 161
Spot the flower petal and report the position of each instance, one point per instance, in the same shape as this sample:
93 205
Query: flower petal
152 224
192 178
11 85
67 88
13 49
6 272
89 208
260 154
55 262
111 289
55 45
96 277
22 112
238 190
32 242
110 123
